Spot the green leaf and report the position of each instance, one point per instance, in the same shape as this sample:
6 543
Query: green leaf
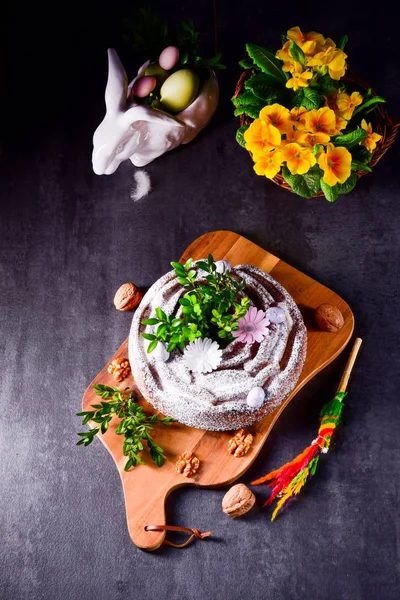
187 310
307 185
252 111
266 61
342 42
360 166
264 86
370 104
246 63
150 322
311 99
149 336
348 185
248 98
202 265
183 281
152 346
298 98
178 268
348 140
326 84
330 192
297 53
161 314
240 135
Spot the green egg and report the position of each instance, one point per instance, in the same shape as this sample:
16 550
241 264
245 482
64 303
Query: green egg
158 72
179 90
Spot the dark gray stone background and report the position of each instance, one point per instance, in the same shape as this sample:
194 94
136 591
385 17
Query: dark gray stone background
69 239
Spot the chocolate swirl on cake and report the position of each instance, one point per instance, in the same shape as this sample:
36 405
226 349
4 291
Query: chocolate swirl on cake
217 400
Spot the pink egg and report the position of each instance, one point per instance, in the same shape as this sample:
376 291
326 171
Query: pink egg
169 57
144 86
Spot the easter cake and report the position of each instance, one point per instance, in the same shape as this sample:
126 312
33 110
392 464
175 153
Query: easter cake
224 380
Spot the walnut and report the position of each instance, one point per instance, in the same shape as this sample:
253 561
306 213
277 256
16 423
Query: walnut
238 501
127 297
329 318
240 444
187 464
120 368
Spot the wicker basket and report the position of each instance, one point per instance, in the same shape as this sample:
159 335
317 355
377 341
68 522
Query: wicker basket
383 125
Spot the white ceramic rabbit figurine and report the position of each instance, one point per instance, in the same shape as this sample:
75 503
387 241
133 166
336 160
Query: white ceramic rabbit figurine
140 133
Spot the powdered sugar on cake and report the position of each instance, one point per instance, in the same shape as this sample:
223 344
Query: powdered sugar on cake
217 400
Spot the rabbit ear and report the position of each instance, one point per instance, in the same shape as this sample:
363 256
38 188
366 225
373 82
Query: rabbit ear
117 84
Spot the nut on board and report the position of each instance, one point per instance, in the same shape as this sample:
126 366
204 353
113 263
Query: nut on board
329 318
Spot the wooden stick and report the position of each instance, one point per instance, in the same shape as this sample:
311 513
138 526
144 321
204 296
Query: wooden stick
349 366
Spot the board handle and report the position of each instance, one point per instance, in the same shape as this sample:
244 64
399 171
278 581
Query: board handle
349 366
195 533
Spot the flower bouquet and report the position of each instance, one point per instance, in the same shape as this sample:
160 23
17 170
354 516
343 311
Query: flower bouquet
304 117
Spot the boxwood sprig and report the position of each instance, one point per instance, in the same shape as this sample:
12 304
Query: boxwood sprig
211 307
135 425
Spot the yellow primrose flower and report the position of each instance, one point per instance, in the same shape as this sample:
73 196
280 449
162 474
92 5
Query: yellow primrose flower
269 164
308 42
278 116
299 160
285 56
297 117
321 120
346 104
311 139
261 137
333 58
331 102
372 138
336 164
299 78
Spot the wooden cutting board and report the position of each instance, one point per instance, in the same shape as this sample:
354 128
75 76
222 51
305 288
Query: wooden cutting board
146 487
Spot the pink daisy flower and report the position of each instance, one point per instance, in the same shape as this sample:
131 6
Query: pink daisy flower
253 326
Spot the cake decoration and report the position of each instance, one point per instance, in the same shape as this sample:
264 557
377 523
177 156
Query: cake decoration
202 356
218 376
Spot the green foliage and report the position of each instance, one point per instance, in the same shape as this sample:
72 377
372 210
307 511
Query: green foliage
211 307
332 193
368 105
306 185
264 86
342 42
240 135
350 139
266 62
252 111
297 53
356 165
246 63
148 34
134 424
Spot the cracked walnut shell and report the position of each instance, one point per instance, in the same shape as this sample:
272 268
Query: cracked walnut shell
238 501
240 444
127 297
120 368
187 464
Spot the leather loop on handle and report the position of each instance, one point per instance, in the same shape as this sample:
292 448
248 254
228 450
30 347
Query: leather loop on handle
196 533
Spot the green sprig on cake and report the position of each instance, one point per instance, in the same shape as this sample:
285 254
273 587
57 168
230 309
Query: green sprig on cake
302 119
211 308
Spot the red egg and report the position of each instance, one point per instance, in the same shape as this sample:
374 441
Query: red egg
144 86
169 57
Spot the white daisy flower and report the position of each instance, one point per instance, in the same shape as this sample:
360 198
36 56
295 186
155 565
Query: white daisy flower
202 356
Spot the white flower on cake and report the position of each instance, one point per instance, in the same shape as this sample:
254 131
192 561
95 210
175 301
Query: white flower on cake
202 356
